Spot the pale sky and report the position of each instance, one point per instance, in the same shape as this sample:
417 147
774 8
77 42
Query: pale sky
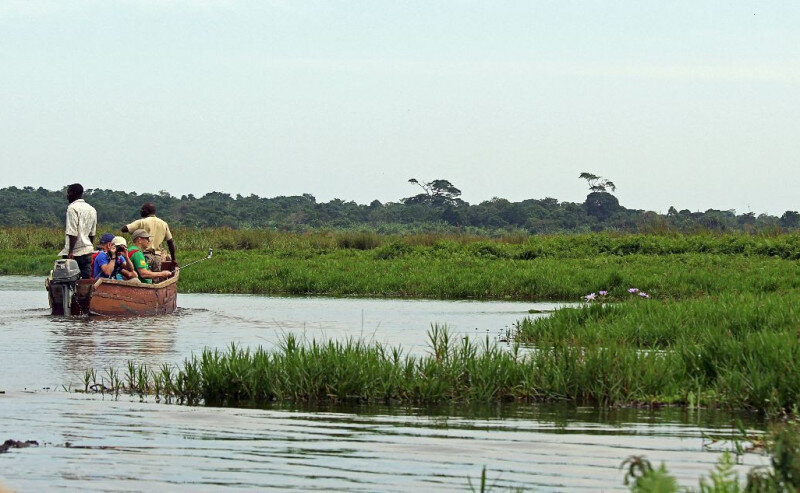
686 103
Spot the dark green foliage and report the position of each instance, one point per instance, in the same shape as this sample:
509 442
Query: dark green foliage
438 193
437 210
601 205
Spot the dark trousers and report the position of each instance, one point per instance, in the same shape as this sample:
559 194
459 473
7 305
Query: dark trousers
84 264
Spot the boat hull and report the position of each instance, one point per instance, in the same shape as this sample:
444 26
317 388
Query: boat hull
111 297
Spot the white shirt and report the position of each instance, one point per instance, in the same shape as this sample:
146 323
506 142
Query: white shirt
82 223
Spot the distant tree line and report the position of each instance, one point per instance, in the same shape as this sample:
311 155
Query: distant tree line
438 209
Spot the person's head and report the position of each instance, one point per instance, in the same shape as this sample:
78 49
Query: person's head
148 209
141 238
106 242
74 192
119 244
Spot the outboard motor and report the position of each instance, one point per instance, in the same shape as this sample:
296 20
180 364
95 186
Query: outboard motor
62 285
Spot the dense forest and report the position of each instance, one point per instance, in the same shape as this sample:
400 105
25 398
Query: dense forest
437 208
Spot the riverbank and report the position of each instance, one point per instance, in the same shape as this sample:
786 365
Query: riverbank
563 268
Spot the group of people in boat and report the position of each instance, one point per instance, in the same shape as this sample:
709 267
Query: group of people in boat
113 259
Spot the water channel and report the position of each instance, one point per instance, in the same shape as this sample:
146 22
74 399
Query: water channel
99 443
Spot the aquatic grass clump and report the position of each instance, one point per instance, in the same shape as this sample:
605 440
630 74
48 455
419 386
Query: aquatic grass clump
353 371
755 372
737 351
663 324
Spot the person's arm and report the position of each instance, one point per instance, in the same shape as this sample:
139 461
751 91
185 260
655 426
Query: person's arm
171 246
127 269
148 274
131 226
143 271
72 240
128 263
108 267
72 231
93 231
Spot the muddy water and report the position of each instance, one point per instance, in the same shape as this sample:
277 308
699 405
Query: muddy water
94 443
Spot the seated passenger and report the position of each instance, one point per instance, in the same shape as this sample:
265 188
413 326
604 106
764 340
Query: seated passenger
108 262
141 242
126 272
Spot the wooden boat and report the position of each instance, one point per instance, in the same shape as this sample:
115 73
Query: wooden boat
113 297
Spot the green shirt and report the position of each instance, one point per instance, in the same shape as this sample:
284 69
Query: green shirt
139 262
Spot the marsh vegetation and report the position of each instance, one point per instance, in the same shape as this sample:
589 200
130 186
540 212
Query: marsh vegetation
718 327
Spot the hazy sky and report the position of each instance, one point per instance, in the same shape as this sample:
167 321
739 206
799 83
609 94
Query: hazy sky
687 103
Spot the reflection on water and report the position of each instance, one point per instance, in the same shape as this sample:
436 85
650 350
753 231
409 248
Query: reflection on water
86 341
127 444
116 443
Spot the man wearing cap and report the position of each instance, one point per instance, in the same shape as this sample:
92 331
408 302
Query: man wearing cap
127 272
159 231
80 230
141 242
110 260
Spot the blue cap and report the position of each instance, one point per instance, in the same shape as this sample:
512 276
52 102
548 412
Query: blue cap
106 238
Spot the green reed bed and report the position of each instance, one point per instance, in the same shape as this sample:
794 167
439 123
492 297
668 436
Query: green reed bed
353 371
28 262
735 350
512 245
649 323
456 275
362 263
757 372
460 273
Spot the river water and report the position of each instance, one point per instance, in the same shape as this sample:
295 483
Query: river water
98 443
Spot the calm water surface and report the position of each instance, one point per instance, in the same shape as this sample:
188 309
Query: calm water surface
94 443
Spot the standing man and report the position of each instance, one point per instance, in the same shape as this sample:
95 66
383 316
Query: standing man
158 229
80 230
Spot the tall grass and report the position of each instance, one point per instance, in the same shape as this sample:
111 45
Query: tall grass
470 272
394 271
740 350
512 246
757 372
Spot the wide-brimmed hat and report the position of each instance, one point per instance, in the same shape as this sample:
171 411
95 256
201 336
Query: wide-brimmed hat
119 240
140 233
107 237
